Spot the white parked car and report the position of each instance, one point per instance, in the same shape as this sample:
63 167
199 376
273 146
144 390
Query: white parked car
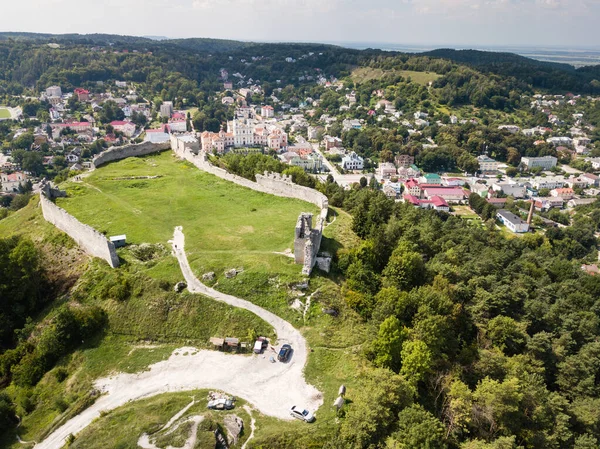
302 413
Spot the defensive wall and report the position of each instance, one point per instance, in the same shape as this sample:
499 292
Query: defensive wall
92 241
307 239
133 150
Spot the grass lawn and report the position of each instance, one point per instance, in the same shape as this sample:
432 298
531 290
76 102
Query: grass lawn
4 113
465 212
226 226
364 74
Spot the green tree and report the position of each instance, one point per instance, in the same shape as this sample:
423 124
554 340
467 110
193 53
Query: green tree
417 428
405 269
507 335
417 361
374 408
388 344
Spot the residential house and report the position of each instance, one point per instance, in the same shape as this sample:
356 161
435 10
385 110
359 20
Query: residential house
431 178
512 221
267 112
408 173
593 180
412 187
127 128
386 170
349 124
595 161
404 160
510 189
513 129
82 94
331 142
566 193
547 203
581 202
436 203
579 182
560 141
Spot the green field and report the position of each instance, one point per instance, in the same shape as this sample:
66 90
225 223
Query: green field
4 113
364 74
226 226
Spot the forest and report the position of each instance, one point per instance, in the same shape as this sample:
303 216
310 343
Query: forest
483 341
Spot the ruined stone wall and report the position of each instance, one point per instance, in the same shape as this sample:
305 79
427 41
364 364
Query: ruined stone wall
92 241
138 149
278 185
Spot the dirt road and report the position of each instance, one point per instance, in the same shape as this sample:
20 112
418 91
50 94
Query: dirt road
272 388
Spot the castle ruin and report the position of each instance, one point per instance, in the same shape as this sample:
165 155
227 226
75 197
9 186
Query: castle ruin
307 242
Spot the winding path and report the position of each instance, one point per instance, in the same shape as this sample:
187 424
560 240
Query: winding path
272 388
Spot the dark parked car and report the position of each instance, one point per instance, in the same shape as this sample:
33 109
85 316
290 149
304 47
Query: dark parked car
284 353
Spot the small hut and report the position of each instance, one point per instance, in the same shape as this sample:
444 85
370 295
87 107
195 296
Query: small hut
232 342
217 342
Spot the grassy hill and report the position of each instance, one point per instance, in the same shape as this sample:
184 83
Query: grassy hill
226 226
365 74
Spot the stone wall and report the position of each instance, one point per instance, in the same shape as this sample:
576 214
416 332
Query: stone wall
92 241
133 150
273 184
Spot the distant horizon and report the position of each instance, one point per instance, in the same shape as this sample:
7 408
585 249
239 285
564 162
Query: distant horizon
355 44
575 55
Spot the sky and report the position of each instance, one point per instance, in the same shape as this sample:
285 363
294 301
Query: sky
473 23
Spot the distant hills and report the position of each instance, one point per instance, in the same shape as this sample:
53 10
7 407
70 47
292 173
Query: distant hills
539 74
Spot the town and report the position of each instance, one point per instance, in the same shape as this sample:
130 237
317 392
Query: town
233 244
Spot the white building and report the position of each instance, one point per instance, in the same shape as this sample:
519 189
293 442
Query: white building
386 170
127 128
545 162
487 164
12 182
185 142
512 222
510 189
267 111
510 128
54 91
157 135
352 162
166 109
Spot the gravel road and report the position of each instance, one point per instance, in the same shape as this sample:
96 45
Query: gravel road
272 388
